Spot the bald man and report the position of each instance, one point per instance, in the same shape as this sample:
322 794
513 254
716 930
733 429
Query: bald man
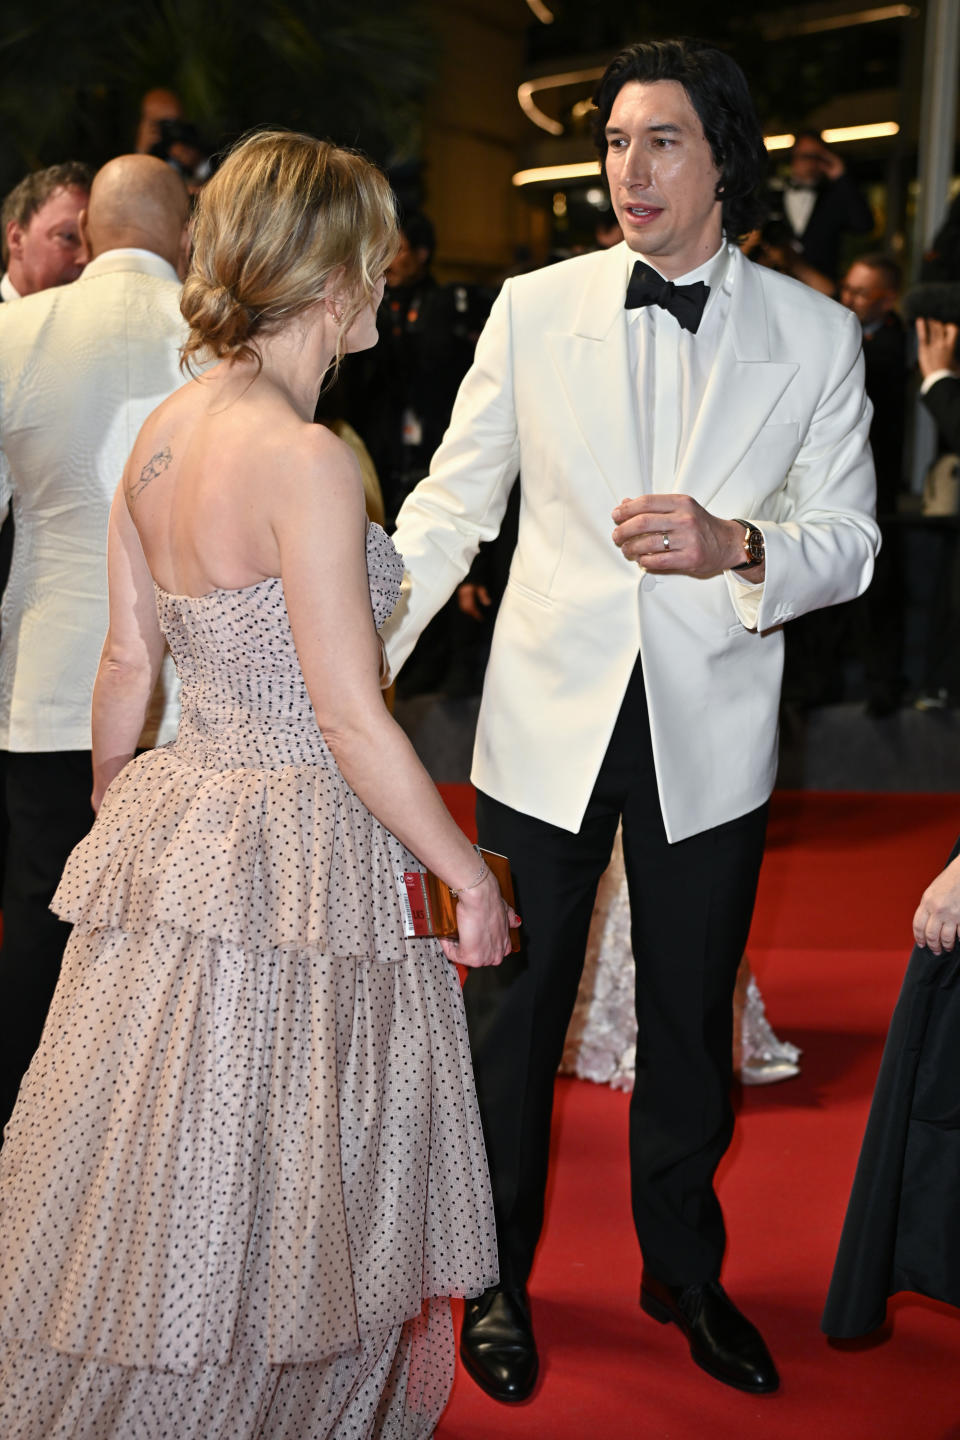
81 367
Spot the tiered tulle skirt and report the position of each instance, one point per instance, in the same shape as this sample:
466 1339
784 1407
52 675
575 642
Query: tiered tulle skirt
246 1162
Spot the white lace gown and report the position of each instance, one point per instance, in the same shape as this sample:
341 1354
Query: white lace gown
246 1167
602 1037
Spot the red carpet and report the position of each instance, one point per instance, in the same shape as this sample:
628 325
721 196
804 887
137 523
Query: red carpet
830 939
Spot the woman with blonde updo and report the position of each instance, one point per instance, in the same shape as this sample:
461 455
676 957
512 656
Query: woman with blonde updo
246 1170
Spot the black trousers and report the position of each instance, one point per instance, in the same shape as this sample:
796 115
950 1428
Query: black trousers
691 905
48 813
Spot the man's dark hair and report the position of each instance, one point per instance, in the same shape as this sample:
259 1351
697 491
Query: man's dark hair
34 190
717 89
885 265
419 231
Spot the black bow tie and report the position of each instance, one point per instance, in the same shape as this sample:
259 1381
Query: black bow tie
684 302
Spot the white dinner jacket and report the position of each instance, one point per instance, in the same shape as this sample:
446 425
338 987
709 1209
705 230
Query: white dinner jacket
81 367
780 439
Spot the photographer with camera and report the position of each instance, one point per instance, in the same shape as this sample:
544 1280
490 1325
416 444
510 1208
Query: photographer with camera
163 131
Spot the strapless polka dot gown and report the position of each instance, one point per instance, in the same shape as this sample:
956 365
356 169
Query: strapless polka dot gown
246 1163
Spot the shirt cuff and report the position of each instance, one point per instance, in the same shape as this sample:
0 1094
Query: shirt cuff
936 375
745 598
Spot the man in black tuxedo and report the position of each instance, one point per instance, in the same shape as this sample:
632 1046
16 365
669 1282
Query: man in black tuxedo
871 288
940 391
428 332
822 203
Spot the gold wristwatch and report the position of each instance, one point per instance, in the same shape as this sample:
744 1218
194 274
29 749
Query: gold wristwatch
752 544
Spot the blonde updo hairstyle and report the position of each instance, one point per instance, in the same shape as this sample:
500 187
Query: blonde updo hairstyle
284 217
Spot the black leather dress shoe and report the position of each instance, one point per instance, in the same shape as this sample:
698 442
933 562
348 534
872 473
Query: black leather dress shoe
497 1345
722 1341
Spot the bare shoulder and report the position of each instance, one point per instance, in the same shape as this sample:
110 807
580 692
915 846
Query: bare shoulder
313 473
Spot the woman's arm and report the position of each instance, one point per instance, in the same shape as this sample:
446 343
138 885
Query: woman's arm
132 652
318 520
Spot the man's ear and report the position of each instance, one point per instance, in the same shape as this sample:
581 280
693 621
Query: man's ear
15 234
84 227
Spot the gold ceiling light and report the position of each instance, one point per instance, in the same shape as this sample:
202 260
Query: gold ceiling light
781 27
856 17
839 133
578 171
543 14
778 142
529 88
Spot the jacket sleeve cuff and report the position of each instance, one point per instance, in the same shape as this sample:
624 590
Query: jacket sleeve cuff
934 377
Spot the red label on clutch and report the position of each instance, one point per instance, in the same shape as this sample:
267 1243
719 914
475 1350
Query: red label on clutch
416 886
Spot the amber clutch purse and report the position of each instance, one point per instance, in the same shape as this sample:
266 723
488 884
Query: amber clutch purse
430 909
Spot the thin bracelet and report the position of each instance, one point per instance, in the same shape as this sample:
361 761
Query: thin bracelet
484 872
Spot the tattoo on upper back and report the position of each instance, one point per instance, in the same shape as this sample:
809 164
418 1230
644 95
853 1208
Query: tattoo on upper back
155 466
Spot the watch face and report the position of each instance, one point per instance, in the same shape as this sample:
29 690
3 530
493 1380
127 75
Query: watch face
754 546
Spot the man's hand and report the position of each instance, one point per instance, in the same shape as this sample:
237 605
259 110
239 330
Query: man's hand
936 346
473 600
673 534
831 163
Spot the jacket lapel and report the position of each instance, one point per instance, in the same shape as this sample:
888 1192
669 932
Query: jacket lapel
593 365
743 388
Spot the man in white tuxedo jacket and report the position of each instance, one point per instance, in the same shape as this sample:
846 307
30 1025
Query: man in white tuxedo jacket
636 663
81 367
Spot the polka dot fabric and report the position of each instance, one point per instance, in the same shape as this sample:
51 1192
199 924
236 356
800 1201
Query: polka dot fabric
245 1168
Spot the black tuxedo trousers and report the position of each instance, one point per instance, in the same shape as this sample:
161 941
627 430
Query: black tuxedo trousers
691 904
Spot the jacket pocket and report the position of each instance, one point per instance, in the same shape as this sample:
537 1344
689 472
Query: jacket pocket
526 593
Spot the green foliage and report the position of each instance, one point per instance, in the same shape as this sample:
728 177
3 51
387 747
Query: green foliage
71 77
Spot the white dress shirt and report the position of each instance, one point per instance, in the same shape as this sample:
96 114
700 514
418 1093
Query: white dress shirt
672 366
798 205
81 368
8 291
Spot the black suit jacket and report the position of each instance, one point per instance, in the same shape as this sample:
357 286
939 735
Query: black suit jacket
840 209
885 360
943 402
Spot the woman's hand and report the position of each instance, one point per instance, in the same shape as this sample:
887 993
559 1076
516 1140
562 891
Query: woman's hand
484 921
938 914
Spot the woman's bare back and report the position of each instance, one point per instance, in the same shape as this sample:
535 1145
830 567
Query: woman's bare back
206 474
